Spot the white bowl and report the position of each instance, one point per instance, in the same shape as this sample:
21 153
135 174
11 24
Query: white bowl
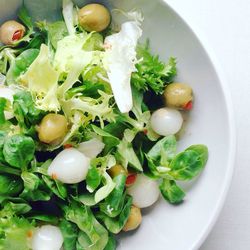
164 226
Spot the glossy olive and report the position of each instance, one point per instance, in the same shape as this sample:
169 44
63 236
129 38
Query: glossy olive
11 31
134 219
116 170
178 95
52 128
94 17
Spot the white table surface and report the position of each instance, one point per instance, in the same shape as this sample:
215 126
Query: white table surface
225 25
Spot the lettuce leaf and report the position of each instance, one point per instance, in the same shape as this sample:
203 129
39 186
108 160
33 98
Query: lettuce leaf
151 72
41 80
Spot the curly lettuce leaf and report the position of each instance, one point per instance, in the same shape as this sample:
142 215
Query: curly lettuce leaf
41 80
151 72
14 231
95 108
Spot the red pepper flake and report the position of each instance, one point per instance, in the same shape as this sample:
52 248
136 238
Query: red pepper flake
145 131
29 234
188 106
17 35
54 176
131 179
67 146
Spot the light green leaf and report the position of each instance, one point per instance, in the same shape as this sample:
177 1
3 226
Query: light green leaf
41 80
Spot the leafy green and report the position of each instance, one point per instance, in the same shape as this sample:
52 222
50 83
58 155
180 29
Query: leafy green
113 204
105 190
111 245
70 233
99 108
56 32
26 113
10 186
31 181
171 192
125 152
188 164
93 178
109 140
56 187
163 151
14 230
151 72
115 225
19 150
20 65
82 216
41 79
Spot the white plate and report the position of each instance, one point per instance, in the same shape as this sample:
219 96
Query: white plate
182 227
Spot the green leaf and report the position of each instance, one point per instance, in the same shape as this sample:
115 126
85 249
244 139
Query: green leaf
188 164
23 15
19 150
56 187
151 72
3 135
83 217
105 190
111 245
113 204
20 65
56 32
31 181
18 208
44 218
125 151
109 140
10 185
14 231
115 225
26 113
70 234
171 192
163 151
42 193
3 102
93 178
41 79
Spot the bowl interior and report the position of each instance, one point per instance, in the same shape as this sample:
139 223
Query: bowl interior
165 226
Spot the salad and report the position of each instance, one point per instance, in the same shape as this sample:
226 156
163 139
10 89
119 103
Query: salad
89 121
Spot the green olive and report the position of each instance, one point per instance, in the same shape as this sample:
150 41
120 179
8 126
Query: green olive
134 219
94 17
11 31
52 128
116 170
178 95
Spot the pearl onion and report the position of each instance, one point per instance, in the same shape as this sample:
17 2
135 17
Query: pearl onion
166 121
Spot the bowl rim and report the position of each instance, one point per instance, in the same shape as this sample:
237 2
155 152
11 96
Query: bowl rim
231 126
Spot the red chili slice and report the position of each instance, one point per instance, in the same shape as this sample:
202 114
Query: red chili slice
67 146
17 35
131 179
188 106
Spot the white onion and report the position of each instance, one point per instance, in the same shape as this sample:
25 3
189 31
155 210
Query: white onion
70 166
91 148
166 121
47 237
145 191
7 93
